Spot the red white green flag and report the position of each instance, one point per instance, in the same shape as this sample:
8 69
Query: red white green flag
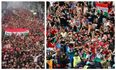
102 7
17 31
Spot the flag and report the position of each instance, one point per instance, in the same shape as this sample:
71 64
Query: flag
17 31
101 7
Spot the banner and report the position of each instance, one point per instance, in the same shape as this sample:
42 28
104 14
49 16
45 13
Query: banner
17 31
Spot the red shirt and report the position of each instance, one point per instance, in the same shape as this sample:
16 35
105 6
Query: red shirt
93 49
11 50
105 52
4 49
104 45
54 31
50 45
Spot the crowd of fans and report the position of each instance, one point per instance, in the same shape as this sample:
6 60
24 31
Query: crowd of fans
78 36
25 51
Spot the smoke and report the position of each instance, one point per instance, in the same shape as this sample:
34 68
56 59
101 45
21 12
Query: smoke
10 5
36 6
15 5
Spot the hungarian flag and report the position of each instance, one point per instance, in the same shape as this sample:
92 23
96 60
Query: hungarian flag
101 7
17 31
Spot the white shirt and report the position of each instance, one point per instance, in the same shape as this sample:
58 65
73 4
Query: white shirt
64 34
